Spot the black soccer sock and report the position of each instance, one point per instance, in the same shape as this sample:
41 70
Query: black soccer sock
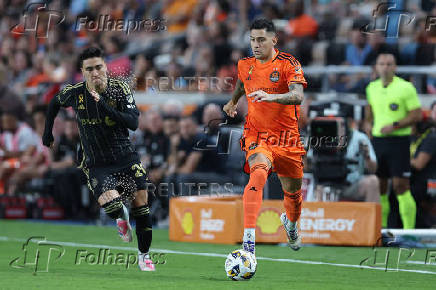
143 227
113 208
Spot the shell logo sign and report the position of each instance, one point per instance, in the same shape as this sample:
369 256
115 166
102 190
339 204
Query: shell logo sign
187 223
268 221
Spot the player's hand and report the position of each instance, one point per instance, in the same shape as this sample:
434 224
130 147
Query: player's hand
230 109
48 139
261 96
95 95
387 129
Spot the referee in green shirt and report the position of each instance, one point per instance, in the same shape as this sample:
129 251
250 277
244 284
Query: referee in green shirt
393 107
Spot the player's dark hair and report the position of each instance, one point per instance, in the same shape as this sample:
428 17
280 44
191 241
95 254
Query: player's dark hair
387 50
263 23
90 52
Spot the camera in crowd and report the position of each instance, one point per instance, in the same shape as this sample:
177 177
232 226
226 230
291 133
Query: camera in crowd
329 137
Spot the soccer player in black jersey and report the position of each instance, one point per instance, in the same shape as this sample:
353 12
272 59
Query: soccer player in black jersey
105 110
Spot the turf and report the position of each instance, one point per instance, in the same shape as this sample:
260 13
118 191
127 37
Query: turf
185 270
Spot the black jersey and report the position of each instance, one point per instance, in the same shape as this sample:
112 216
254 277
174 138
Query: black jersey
103 125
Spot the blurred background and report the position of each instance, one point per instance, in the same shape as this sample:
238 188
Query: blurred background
181 65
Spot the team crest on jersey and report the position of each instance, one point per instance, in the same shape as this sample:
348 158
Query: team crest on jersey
393 107
297 69
274 76
250 71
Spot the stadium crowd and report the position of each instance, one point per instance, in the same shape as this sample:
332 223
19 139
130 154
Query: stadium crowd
189 38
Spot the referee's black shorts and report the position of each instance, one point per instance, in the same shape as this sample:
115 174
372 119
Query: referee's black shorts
393 156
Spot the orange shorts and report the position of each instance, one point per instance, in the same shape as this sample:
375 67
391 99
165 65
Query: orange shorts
286 157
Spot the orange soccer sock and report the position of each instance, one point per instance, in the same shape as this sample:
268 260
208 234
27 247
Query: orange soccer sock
292 203
253 192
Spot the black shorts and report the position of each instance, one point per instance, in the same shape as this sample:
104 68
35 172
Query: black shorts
393 156
126 178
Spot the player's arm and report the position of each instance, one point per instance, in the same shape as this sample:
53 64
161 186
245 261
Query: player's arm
230 107
293 97
421 161
367 126
128 114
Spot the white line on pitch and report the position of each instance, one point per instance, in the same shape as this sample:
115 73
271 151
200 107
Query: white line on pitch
71 244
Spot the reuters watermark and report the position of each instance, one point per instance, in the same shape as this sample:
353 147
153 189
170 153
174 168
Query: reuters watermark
188 83
190 188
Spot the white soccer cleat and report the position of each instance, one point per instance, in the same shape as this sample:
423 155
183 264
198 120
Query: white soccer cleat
145 263
294 240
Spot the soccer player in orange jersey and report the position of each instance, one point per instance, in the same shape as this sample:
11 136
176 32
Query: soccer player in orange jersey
273 82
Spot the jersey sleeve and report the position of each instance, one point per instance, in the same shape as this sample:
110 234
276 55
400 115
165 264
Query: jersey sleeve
293 73
64 97
126 112
411 98
240 71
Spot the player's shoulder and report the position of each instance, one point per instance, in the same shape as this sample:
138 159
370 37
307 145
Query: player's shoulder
402 83
287 58
374 84
246 61
73 87
119 84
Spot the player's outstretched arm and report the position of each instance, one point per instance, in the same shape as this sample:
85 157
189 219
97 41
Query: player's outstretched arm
230 107
293 97
52 111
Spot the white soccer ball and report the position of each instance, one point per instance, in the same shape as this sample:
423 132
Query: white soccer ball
240 265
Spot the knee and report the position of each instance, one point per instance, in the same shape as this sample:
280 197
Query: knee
107 197
401 187
371 181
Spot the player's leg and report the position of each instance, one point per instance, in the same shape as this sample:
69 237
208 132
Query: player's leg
109 199
406 202
400 168
113 206
384 201
292 201
382 149
141 214
289 168
259 165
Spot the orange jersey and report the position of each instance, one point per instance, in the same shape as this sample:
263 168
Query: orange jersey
272 77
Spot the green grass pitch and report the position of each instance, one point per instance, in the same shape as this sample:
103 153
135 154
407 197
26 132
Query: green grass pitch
193 265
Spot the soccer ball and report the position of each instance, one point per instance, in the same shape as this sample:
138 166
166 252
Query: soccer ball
240 265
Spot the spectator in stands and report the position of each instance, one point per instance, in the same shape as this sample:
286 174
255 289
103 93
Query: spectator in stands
301 24
157 146
33 163
357 50
17 141
9 101
63 170
393 107
423 178
177 14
